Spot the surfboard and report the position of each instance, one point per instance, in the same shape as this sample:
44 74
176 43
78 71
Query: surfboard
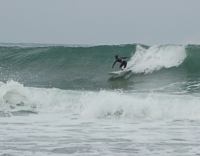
119 73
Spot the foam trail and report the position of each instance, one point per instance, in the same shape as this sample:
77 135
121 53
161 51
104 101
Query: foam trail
156 58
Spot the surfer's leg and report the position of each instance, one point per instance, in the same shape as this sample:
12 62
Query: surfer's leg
125 64
120 67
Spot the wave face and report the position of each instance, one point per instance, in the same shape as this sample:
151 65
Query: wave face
60 66
163 83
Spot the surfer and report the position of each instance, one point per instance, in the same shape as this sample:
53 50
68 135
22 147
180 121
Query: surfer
120 60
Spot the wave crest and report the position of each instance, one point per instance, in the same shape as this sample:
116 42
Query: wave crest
156 58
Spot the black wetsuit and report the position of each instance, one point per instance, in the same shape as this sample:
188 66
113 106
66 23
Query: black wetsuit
123 62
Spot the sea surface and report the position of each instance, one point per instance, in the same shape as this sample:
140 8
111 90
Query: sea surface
60 100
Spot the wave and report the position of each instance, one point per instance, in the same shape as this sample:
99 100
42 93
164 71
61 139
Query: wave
118 105
144 59
86 67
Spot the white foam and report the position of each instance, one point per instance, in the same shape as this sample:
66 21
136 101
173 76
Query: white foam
156 57
101 104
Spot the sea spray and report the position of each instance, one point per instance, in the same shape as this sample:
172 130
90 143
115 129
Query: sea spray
156 58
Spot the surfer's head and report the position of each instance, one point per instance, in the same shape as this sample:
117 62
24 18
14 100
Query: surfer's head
116 56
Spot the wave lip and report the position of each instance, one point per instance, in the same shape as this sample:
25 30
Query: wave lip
156 58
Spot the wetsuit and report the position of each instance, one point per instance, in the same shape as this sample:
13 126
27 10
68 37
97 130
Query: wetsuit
120 60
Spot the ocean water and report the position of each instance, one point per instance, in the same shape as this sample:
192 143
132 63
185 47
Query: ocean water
60 100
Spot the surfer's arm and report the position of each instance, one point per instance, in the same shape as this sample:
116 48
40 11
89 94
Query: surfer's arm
114 64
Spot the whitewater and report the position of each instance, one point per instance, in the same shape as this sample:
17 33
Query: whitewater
60 100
